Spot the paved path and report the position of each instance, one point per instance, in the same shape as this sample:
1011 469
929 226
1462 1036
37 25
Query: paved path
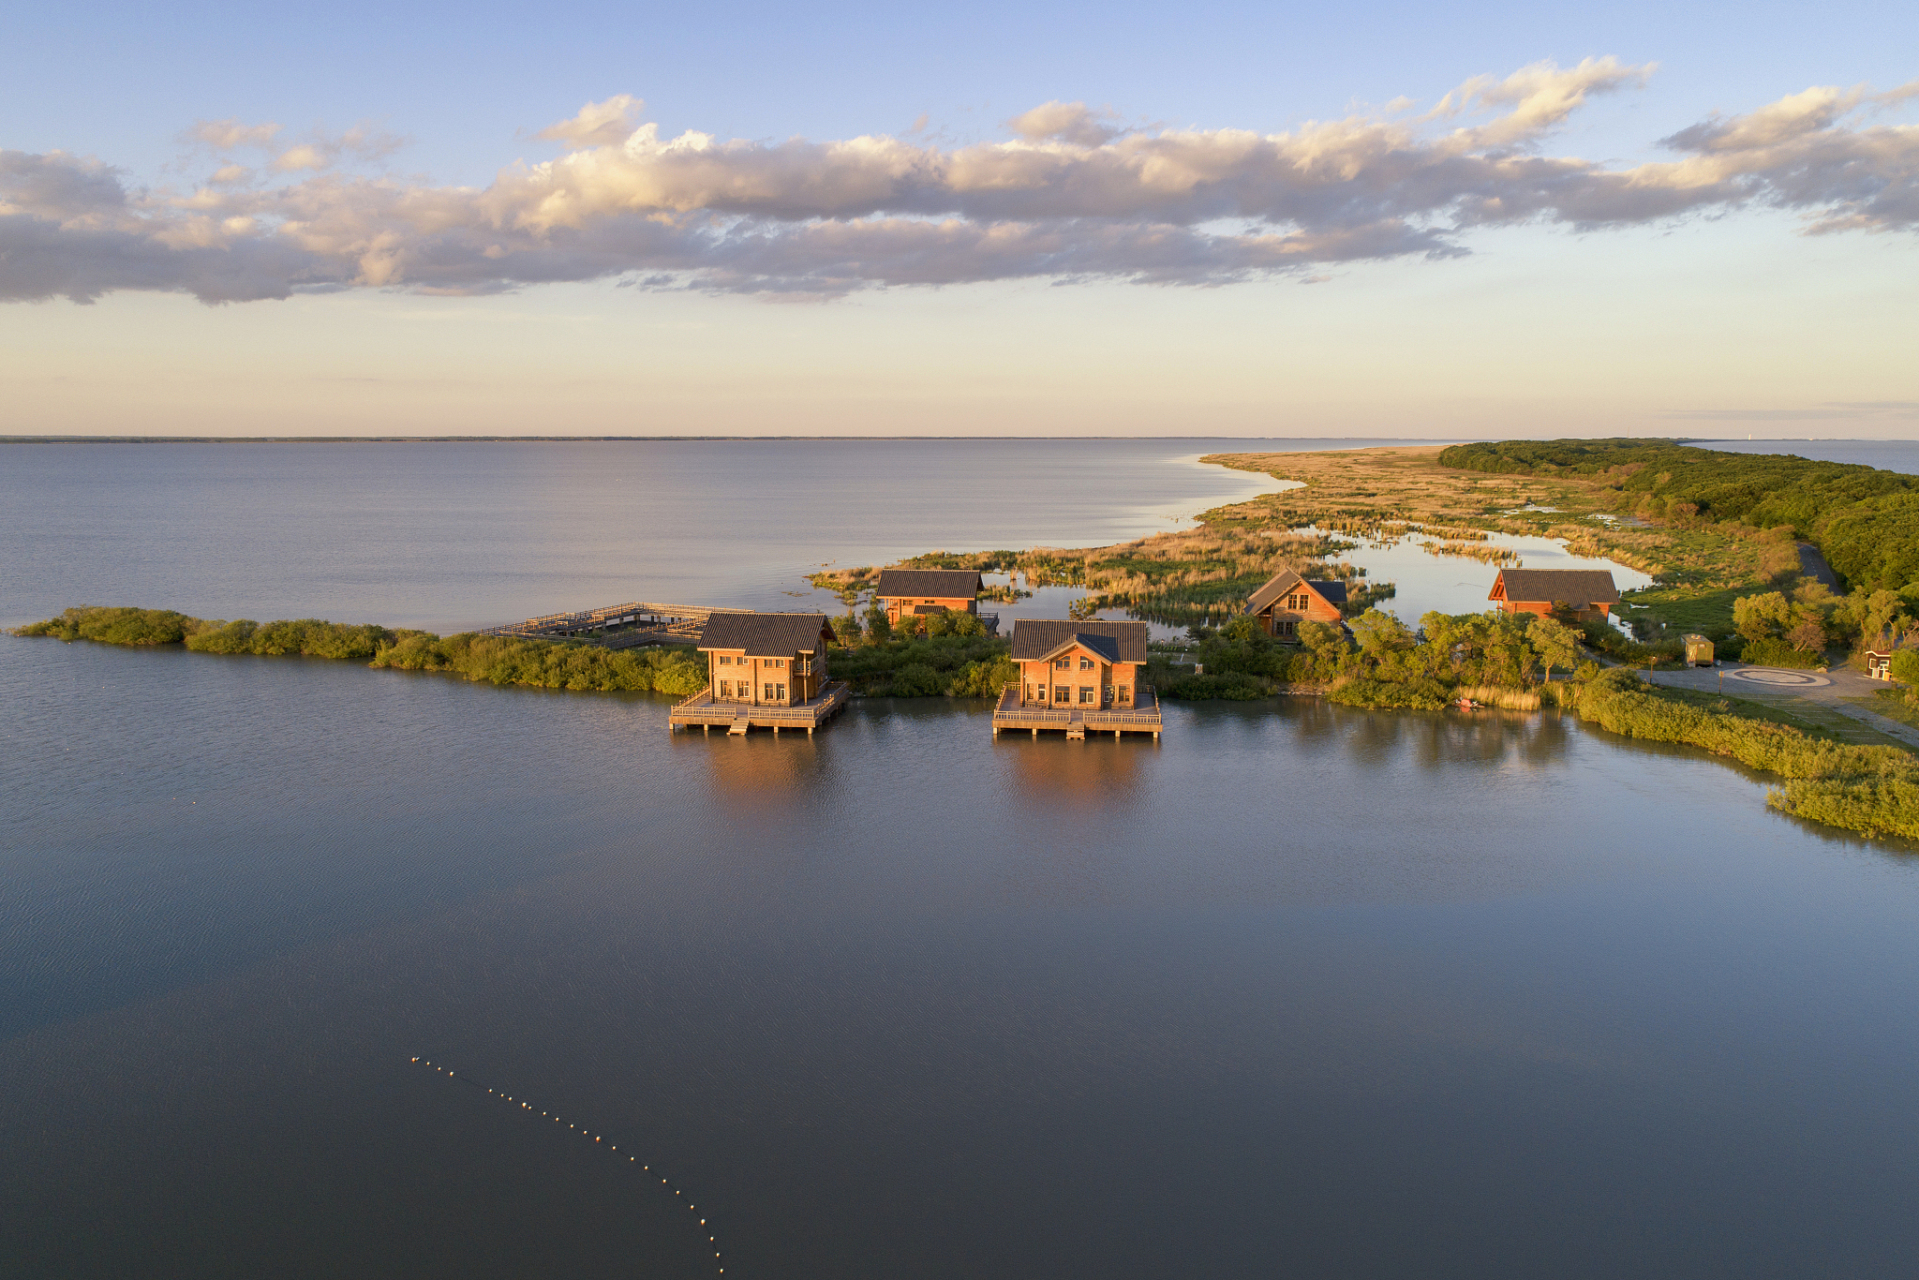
1782 688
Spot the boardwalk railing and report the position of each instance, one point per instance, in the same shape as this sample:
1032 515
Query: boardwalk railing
641 614
1009 714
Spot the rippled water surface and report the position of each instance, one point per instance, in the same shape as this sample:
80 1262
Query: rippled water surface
1299 991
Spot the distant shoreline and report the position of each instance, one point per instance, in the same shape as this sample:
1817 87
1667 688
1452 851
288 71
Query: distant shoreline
1363 442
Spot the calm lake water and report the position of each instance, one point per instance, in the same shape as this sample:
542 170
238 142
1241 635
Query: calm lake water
1300 991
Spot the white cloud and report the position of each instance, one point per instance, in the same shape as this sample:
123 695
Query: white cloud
1070 122
229 135
598 124
1068 197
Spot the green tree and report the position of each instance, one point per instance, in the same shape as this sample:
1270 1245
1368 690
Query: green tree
1379 632
1243 629
1761 617
846 629
878 629
1554 642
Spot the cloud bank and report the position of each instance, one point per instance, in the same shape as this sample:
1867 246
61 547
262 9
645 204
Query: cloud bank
1071 195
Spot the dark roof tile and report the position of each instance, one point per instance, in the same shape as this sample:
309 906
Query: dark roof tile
1576 587
938 584
770 634
1035 638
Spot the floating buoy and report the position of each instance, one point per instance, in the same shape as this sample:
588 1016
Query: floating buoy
527 1106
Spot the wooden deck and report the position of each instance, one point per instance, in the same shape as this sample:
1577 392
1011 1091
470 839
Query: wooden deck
618 626
705 712
1075 721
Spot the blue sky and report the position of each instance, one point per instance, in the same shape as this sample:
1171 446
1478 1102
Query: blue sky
463 90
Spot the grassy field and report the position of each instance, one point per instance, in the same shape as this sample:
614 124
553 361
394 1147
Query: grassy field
1699 569
1893 704
1814 718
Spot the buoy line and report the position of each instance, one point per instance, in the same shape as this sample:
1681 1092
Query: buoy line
519 1104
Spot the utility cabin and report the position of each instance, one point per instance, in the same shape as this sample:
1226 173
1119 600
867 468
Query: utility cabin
1288 600
1879 655
1588 593
1078 676
921 591
764 670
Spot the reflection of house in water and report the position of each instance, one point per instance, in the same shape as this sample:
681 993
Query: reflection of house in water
764 670
1077 676
1589 594
1288 600
918 592
1091 778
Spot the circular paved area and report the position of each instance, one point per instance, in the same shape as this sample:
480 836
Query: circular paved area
1780 679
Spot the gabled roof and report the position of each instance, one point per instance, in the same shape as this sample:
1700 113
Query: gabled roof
1035 640
1333 593
1556 586
778 635
940 584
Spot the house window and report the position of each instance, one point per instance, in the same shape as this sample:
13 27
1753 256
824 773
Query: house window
768 695
1125 694
725 660
1063 664
1061 693
1086 693
1085 663
1288 627
726 690
780 663
779 693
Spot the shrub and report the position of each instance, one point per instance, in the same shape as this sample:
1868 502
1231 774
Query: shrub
1777 653
138 627
1421 693
975 663
1905 666
917 680
1874 790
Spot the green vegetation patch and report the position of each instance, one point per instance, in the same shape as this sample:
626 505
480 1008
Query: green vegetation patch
1865 520
1869 789
500 660
953 666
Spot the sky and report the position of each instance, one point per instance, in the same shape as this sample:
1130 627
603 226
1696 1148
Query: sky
1360 220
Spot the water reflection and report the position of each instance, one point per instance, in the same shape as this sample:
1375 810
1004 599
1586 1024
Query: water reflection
1094 775
756 770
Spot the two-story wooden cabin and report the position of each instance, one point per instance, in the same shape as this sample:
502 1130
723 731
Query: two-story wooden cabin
1589 594
778 659
1288 600
763 670
921 591
1078 676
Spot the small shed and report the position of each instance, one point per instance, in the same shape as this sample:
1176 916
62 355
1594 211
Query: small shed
1879 655
1698 650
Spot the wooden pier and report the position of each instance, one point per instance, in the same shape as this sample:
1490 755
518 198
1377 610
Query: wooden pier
1077 722
705 712
618 626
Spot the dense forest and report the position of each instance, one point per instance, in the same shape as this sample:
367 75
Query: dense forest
1865 520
